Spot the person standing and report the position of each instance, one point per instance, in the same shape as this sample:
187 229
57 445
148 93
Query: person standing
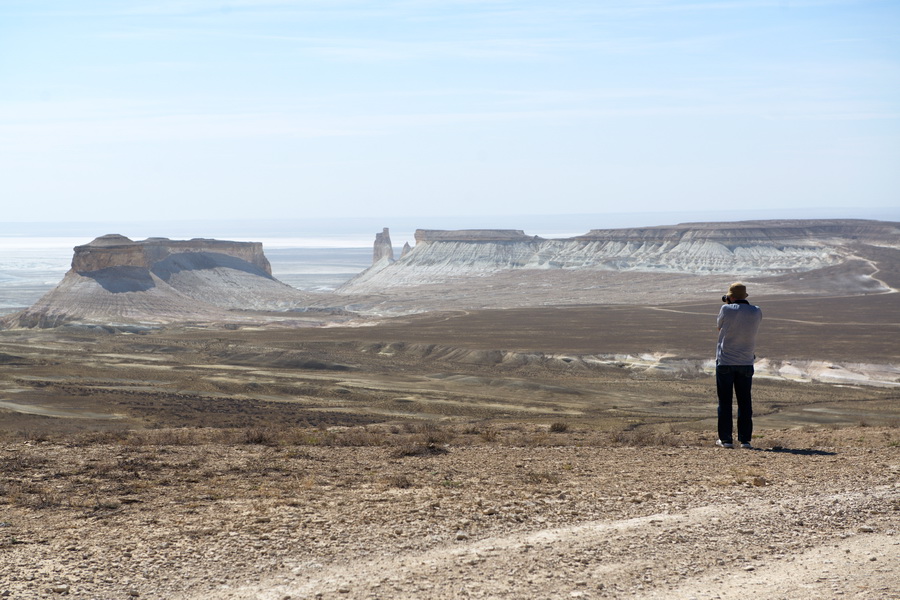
738 323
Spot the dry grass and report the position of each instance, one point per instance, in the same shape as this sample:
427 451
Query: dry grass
645 436
102 473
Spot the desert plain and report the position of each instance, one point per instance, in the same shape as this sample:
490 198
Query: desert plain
537 451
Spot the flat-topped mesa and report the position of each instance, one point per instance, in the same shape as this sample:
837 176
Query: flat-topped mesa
383 248
747 248
754 232
115 250
472 235
115 281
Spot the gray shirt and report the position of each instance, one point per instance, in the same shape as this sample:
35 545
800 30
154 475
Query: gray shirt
738 324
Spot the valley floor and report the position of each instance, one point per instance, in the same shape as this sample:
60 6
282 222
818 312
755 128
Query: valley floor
467 454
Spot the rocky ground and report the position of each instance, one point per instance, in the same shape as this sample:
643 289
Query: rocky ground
479 511
466 454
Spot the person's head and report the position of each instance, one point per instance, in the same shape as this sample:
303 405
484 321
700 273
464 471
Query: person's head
737 291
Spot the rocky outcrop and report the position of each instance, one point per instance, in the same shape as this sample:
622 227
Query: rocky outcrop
748 248
383 248
117 281
117 251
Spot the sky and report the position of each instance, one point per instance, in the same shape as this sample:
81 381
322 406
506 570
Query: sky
119 110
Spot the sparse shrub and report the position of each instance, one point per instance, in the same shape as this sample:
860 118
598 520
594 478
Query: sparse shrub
20 462
296 453
400 480
559 427
357 437
485 431
261 436
433 433
100 437
182 436
489 434
777 443
6 493
107 504
644 436
536 439
437 438
418 447
35 436
539 477
39 497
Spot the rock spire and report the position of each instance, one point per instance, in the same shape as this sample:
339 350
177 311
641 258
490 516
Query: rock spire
383 247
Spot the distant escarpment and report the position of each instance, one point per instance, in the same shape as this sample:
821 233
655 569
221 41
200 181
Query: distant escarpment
746 248
117 281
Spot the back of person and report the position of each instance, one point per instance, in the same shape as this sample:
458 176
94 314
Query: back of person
738 324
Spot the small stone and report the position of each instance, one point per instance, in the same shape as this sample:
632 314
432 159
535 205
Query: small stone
134 593
750 568
461 536
344 589
60 589
490 511
866 529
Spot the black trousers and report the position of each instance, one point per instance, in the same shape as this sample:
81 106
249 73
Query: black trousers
737 379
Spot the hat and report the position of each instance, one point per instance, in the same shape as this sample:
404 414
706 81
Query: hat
737 291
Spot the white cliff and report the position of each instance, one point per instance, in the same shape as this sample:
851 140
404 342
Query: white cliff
750 248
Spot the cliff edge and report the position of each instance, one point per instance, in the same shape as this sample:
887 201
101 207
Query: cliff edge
745 249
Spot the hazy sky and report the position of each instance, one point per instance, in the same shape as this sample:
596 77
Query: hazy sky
168 109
